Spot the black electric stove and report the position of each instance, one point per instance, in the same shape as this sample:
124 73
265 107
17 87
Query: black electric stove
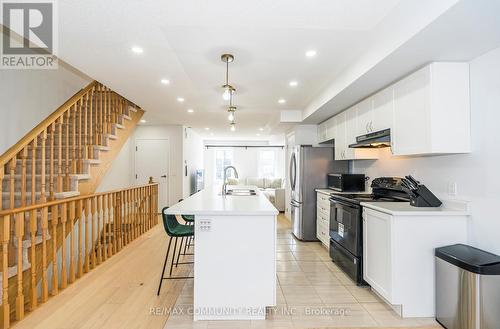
346 223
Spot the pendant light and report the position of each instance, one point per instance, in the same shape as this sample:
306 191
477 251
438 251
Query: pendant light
228 89
231 110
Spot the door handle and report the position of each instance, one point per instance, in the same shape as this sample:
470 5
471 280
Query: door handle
163 176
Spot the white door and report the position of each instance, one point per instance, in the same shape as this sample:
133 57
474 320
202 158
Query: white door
152 160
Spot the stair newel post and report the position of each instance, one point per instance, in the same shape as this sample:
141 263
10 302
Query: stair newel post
79 218
45 281
5 270
55 272
66 163
72 240
24 156
12 173
52 159
92 218
90 151
33 230
60 123
99 231
88 218
64 218
19 224
43 197
73 137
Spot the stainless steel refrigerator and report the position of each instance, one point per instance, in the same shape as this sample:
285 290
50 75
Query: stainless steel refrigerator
309 167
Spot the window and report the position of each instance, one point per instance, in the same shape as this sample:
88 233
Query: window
267 164
223 158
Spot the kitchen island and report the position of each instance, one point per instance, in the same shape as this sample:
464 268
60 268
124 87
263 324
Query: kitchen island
234 253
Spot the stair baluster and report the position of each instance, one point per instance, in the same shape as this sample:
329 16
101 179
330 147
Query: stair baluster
33 231
5 270
64 272
79 218
45 281
19 225
54 221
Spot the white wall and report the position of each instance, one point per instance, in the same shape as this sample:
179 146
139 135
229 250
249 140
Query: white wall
193 158
122 172
27 97
245 161
476 174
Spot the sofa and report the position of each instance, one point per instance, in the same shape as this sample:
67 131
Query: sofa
272 188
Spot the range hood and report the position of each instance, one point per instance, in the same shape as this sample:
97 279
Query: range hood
376 139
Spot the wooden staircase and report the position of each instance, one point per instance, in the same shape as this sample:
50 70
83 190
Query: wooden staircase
52 223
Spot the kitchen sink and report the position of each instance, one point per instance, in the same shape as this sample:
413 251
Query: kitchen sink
241 192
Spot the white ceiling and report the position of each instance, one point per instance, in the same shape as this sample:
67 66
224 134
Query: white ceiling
183 41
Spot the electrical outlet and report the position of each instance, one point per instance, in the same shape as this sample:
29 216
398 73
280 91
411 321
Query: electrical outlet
452 189
205 225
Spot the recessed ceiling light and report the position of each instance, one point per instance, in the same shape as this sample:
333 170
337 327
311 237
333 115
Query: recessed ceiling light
137 50
143 121
190 110
261 129
180 99
311 53
282 101
206 128
293 83
165 81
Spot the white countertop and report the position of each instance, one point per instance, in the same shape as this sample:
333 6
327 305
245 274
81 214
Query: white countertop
209 201
405 209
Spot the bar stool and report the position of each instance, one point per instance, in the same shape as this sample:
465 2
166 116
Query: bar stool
174 230
189 219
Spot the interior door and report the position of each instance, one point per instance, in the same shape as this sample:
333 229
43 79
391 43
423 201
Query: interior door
152 160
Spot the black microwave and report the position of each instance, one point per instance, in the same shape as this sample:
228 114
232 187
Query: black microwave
346 182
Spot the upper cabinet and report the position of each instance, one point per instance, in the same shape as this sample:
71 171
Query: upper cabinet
432 111
428 113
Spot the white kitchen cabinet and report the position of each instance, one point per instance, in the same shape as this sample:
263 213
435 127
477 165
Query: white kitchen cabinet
323 218
331 128
432 111
398 253
340 136
383 110
364 117
322 132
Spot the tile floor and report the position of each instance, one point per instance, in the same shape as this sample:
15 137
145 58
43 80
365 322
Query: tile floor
312 293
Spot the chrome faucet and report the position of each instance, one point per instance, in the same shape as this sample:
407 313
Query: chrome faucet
224 185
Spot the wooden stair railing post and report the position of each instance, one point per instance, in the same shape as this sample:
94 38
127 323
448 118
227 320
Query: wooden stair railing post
94 241
99 235
110 227
64 273
33 230
79 218
5 270
88 218
12 173
66 147
24 156
19 224
86 110
118 213
45 282
60 124
78 127
72 245
73 138
90 151
43 198
55 269
115 223
2 169
104 228
34 145
51 163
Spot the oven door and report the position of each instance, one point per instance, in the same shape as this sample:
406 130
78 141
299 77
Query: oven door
345 225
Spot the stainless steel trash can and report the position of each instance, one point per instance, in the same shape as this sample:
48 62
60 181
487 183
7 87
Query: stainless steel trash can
467 288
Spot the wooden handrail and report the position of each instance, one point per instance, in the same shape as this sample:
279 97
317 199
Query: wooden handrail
14 211
23 142
95 226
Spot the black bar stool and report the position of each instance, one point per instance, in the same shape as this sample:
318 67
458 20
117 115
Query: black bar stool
174 230
189 219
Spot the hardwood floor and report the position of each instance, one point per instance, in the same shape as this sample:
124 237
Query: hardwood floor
121 293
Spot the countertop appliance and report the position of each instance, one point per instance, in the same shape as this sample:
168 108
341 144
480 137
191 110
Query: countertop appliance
308 171
346 182
346 223
377 139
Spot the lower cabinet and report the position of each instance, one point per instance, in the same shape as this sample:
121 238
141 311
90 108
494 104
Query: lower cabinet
398 256
323 219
